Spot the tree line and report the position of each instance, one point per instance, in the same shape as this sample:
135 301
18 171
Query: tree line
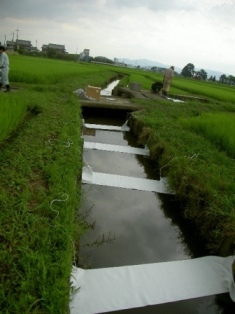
190 72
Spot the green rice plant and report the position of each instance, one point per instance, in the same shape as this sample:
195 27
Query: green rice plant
46 71
146 79
41 165
202 88
219 128
12 110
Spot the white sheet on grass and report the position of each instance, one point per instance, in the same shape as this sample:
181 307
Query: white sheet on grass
117 148
118 181
175 100
117 288
122 128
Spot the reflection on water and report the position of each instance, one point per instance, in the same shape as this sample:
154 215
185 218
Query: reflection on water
205 305
141 232
135 227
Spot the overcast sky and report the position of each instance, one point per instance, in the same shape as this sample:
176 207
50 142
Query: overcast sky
173 32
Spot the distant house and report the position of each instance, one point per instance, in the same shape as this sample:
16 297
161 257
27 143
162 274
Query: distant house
58 48
34 49
84 56
21 44
10 45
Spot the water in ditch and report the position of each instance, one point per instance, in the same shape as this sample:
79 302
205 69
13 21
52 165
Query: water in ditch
108 90
129 227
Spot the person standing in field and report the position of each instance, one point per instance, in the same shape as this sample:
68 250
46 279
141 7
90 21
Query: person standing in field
167 80
4 67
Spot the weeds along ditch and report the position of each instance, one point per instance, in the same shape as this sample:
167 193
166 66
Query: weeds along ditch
40 173
39 184
12 111
200 173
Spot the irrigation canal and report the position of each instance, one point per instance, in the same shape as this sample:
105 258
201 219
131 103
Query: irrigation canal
130 226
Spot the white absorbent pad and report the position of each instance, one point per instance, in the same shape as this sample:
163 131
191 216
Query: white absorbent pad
117 148
122 128
125 182
117 288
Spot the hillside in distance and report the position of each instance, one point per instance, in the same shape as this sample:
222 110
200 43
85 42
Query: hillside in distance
145 63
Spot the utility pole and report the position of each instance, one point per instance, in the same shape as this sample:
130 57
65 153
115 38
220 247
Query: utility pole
17 31
36 43
13 36
5 41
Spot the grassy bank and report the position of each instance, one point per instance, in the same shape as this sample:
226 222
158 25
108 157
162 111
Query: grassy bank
12 111
40 171
201 174
39 165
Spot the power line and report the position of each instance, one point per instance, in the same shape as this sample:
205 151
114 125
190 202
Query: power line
17 31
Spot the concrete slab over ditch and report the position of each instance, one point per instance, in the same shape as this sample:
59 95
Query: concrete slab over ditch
122 95
111 102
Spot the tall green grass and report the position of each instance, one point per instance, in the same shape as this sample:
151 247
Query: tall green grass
32 70
201 175
12 110
219 128
212 90
39 235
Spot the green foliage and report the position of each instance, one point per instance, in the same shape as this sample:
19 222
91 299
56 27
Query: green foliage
201 175
219 128
103 59
40 171
12 110
202 74
41 164
218 92
32 70
230 79
188 70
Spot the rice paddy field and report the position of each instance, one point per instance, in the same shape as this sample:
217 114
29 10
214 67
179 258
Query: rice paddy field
191 143
219 128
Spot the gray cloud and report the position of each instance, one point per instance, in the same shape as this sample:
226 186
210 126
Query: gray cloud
155 5
73 10
118 28
64 10
59 10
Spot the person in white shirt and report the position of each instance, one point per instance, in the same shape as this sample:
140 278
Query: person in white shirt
4 67
167 80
